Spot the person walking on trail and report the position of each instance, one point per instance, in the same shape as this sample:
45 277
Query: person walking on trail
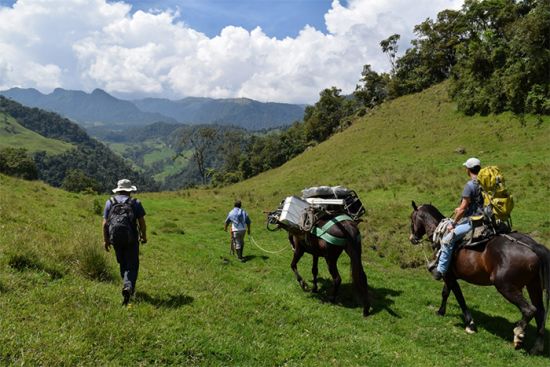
124 228
240 223
471 203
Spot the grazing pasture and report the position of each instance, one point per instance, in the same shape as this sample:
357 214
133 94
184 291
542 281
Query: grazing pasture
197 305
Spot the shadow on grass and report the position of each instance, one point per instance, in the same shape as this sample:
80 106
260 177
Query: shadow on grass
381 298
227 259
255 257
171 301
503 328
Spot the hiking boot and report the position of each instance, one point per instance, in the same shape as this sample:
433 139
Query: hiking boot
240 255
126 294
432 265
436 274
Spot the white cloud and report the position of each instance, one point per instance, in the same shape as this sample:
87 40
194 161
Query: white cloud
84 44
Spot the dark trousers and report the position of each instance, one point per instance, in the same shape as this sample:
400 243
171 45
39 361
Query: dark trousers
128 259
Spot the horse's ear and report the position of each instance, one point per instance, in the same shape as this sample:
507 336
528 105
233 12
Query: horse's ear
414 206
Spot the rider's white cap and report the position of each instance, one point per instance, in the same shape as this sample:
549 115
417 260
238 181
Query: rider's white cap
472 162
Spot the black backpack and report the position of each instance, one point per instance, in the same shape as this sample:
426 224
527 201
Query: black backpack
121 221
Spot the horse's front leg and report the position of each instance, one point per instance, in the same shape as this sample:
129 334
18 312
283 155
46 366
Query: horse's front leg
298 253
336 280
444 297
315 272
452 283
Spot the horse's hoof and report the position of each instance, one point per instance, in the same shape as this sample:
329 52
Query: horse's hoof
366 312
440 312
470 330
519 335
537 349
314 290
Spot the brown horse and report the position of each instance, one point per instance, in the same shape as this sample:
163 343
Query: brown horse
303 242
508 262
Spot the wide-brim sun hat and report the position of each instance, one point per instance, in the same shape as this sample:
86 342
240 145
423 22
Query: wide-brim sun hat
124 185
472 162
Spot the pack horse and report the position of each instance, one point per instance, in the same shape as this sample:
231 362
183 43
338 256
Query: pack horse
508 261
323 223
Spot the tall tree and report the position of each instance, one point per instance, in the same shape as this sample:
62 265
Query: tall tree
200 140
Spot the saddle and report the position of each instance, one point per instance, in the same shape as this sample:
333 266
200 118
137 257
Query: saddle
480 234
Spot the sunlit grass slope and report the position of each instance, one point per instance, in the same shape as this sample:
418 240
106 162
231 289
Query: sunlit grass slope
407 150
12 134
60 297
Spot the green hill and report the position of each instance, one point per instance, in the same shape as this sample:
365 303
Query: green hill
60 296
12 134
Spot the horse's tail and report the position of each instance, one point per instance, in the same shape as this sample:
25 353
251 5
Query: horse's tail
358 273
544 255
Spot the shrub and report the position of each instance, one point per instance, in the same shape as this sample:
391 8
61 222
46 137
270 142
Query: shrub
92 262
17 162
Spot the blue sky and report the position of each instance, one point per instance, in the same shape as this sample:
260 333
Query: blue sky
280 51
279 18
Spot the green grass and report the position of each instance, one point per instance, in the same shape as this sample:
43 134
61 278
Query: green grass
12 134
196 305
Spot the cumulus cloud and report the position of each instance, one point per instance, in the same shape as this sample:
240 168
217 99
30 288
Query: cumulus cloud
86 44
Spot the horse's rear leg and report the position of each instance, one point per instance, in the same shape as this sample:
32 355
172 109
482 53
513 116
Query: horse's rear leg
336 280
360 280
315 272
298 253
515 296
535 294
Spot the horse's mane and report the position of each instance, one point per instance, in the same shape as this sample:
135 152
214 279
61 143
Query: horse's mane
432 210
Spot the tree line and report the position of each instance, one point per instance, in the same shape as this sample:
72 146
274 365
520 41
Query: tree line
495 54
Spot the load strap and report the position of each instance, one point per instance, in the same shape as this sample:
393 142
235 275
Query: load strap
323 231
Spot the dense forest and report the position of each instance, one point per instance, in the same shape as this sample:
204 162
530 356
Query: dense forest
90 165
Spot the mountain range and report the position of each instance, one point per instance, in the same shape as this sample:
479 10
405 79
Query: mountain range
101 108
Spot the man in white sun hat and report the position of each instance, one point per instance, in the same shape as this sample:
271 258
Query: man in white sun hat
471 203
124 228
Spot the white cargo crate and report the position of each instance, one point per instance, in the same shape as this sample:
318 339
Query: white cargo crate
293 209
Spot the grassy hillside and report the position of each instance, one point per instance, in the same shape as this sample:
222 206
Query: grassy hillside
60 296
406 150
12 134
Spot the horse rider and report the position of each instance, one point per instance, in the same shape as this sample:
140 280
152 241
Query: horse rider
471 204
240 224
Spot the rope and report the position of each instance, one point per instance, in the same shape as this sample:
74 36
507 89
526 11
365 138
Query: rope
264 250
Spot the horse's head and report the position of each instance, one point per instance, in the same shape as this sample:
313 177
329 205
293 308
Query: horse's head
424 220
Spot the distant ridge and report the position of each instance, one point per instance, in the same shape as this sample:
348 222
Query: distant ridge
242 112
86 108
101 108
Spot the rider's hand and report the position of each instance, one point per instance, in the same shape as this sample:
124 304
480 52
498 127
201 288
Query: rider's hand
451 226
